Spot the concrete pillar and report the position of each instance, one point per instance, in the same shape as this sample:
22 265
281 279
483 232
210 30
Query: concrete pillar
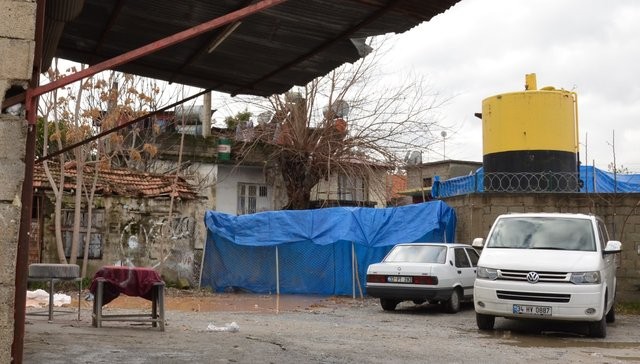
17 29
206 115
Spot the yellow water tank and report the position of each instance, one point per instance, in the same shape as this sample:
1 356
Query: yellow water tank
530 131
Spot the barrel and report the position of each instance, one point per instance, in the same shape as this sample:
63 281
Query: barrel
224 149
530 140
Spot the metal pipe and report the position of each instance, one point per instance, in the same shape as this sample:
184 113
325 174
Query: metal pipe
277 272
353 271
121 126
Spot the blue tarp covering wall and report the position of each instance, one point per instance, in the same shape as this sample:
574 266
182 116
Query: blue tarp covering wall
311 250
594 181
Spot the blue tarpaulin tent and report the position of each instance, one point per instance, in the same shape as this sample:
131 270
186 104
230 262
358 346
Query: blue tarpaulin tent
313 251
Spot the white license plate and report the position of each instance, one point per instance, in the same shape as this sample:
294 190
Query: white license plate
399 279
532 310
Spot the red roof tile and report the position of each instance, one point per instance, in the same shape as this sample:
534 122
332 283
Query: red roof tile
118 181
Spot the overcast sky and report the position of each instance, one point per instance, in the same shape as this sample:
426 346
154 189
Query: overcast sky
481 48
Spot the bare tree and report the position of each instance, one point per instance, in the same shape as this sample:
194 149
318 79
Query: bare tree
353 121
85 108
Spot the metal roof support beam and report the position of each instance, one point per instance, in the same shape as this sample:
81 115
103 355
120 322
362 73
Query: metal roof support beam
155 46
112 21
119 127
377 14
206 45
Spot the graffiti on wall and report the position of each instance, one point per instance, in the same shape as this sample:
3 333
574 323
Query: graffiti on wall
159 241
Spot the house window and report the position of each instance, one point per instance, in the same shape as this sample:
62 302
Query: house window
352 188
427 182
95 245
252 198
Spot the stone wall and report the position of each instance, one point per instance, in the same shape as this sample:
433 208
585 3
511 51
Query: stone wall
621 213
17 29
136 231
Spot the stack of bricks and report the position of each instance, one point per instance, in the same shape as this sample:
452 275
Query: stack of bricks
17 30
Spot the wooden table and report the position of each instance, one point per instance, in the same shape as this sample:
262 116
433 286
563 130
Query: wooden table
111 281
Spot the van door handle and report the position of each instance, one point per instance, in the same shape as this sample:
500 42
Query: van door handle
459 272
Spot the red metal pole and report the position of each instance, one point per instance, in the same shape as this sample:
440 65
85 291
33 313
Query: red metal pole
158 45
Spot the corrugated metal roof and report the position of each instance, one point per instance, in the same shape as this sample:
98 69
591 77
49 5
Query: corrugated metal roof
118 181
269 52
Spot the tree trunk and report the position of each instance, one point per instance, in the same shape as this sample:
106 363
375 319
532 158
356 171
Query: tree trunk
77 212
299 178
85 256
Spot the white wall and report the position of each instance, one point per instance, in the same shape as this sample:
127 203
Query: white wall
227 185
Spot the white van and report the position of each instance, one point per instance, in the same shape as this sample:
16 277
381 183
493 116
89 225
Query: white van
551 266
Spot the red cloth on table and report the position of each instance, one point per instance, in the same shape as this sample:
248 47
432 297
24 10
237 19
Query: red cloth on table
132 281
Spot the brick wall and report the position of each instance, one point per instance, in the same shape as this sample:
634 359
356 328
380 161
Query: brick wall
621 213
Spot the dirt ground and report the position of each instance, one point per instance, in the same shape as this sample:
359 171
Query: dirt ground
306 329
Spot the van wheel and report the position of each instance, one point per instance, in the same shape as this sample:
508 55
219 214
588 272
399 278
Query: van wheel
453 304
485 322
388 304
598 328
611 315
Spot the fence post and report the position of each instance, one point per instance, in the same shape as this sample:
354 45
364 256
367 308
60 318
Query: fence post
277 273
353 271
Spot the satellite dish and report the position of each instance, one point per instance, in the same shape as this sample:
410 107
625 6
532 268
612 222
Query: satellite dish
340 108
413 158
264 117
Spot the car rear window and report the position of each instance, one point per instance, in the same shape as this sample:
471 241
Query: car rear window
543 233
417 254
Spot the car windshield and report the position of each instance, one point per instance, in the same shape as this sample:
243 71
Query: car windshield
417 254
543 233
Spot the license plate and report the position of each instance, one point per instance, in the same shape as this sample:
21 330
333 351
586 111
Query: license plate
399 279
532 310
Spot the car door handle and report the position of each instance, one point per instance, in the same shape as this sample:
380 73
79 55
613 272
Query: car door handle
459 272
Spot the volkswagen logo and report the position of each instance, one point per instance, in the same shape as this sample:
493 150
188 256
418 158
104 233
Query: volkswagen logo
399 268
533 277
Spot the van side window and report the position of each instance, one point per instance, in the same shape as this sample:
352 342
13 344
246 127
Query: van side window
461 258
604 237
474 256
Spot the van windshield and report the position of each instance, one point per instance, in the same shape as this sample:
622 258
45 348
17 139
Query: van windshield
543 233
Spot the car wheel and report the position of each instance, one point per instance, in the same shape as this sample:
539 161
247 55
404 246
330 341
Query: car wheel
453 304
598 328
388 304
611 315
485 322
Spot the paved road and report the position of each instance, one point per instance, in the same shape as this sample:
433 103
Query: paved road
333 330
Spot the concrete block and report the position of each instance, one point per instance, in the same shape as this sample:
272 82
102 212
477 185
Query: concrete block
9 225
13 136
17 19
7 298
11 179
20 52
4 85
6 340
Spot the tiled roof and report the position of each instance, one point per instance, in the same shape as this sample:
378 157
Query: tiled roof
118 181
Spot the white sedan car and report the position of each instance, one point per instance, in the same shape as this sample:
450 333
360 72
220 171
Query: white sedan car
419 272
